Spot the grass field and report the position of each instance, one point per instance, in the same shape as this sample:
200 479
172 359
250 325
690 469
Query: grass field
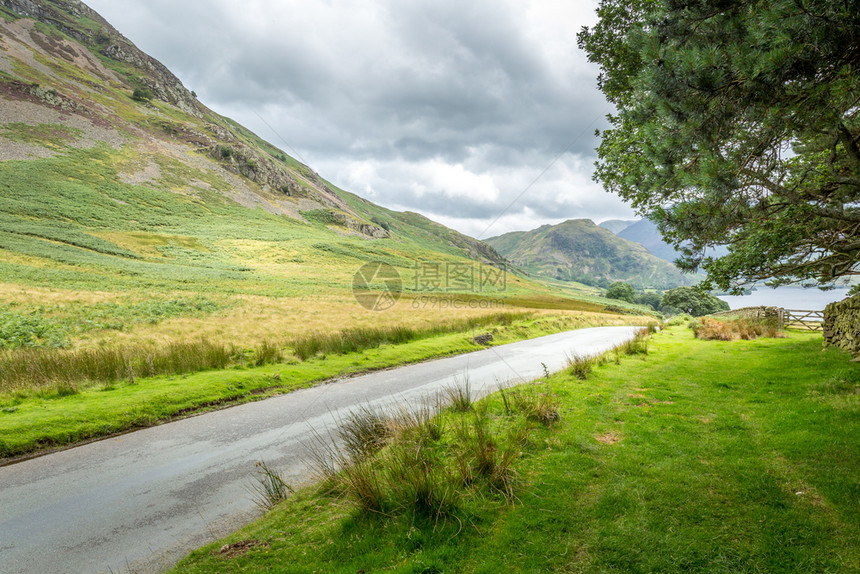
701 456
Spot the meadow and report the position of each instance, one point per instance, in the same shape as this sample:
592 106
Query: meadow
685 455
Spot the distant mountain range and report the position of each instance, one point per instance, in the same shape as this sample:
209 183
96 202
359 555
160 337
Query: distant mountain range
579 250
646 233
616 226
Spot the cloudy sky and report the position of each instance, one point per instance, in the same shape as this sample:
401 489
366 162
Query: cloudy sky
479 114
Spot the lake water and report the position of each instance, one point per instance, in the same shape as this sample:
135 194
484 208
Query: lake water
787 297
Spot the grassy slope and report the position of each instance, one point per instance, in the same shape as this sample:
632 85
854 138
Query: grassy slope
704 456
579 250
153 223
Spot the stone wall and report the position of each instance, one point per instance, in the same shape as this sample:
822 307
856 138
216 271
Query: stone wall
842 325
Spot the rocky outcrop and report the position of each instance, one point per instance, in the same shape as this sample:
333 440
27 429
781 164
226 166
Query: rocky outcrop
361 227
244 161
842 325
66 15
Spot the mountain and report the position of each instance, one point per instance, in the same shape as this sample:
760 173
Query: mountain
579 250
645 233
115 176
616 226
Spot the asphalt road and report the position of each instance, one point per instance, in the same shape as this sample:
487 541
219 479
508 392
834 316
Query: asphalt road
141 501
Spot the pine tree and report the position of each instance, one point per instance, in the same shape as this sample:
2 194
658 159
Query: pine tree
737 123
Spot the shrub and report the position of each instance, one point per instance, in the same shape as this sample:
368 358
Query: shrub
142 95
677 320
381 222
19 330
621 291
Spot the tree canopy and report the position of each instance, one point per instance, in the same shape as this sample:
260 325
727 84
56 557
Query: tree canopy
737 123
621 291
692 301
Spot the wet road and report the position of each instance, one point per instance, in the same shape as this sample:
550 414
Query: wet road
143 500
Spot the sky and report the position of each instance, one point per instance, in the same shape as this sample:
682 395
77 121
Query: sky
480 115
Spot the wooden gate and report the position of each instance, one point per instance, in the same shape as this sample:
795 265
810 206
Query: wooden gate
799 319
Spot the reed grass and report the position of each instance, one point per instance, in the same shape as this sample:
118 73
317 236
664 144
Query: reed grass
710 328
46 369
361 338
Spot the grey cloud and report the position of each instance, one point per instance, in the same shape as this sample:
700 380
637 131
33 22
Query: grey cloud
396 83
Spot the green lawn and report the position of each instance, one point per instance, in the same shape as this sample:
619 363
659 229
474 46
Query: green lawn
701 456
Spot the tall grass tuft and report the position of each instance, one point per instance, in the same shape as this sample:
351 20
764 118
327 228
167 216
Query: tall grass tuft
481 458
365 481
538 406
269 490
420 425
580 366
459 395
364 431
267 353
421 483
638 345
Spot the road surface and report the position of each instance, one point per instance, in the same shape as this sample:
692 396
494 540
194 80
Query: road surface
141 501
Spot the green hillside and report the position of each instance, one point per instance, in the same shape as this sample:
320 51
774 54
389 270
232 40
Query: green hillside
579 250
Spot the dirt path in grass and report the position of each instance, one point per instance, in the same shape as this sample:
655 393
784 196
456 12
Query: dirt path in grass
141 501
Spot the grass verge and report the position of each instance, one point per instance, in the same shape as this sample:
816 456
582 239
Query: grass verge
706 456
65 413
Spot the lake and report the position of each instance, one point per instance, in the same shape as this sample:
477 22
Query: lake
787 297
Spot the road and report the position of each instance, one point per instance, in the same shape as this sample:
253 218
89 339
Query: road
141 501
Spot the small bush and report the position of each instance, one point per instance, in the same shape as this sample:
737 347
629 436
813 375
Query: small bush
677 320
142 95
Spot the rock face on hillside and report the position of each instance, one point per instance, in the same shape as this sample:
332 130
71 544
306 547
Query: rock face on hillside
106 39
579 250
